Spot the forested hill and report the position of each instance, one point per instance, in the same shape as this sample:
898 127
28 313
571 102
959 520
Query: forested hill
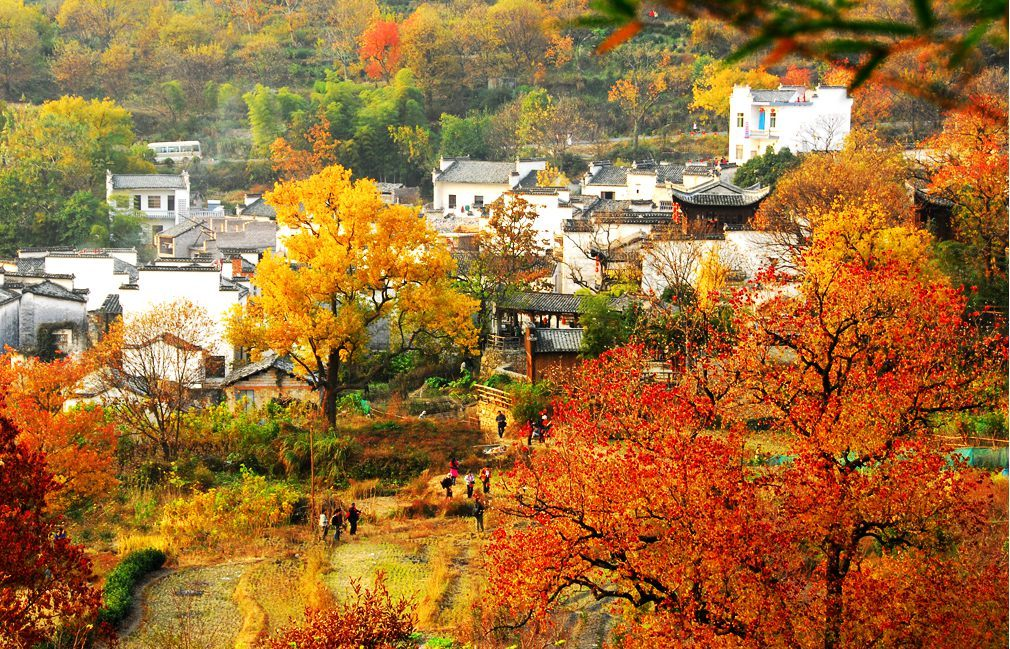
383 89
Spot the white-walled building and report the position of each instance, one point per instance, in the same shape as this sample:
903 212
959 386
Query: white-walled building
163 198
794 117
464 185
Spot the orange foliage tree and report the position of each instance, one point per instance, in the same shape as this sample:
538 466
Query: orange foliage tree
78 443
862 533
380 48
319 151
44 589
969 168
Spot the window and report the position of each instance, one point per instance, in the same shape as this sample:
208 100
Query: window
246 396
171 203
136 201
154 202
62 339
607 195
771 119
452 201
739 120
478 201
739 152
167 246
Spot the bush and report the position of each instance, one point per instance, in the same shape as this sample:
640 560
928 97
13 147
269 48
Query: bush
528 401
391 467
117 596
238 511
421 508
460 507
499 381
436 382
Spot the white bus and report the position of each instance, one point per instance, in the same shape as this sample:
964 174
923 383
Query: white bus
175 151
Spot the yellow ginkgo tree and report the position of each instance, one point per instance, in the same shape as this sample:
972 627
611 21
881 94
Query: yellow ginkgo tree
352 265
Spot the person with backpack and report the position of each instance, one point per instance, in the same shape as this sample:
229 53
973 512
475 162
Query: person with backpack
502 422
353 514
478 513
447 485
469 479
485 479
337 523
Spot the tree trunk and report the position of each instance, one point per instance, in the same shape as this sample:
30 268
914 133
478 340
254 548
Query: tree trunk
635 135
833 599
330 388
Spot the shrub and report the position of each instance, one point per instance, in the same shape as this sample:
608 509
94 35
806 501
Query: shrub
371 618
528 401
499 381
421 508
460 507
391 467
117 597
436 382
236 511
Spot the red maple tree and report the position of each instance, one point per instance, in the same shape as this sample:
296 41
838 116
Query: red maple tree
380 48
860 532
44 588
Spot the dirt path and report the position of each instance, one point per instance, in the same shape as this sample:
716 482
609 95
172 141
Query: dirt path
190 607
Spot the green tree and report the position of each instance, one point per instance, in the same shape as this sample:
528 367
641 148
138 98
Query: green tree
766 168
604 327
466 136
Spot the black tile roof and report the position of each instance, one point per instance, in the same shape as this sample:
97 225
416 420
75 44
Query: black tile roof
8 296
560 303
269 360
557 341
120 267
49 289
610 175
111 304
484 172
31 265
260 207
179 228
147 181
775 96
721 193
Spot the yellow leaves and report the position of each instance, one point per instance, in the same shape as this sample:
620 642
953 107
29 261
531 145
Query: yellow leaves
715 85
351 261
712 276
623 92
863 233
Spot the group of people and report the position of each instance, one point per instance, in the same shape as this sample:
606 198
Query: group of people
335 520
539 429
479 506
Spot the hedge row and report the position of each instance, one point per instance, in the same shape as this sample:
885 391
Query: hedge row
117 596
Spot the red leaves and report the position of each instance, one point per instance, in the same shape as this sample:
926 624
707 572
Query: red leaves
643 499
371 619
380 48
43 581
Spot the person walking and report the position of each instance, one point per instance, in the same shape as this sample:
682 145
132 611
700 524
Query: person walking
545 427
533 426
353 514
502 422
447 485
324 525
337 523
469 479
454 469
485 479
478 513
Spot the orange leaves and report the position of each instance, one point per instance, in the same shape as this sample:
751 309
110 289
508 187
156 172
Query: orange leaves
295 163
78 443
650 495
380 48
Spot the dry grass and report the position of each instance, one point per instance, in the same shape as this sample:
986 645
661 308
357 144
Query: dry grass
127 542
316 594
254 617
440 575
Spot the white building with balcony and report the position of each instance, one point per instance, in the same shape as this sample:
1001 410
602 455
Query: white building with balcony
162 198
794 117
